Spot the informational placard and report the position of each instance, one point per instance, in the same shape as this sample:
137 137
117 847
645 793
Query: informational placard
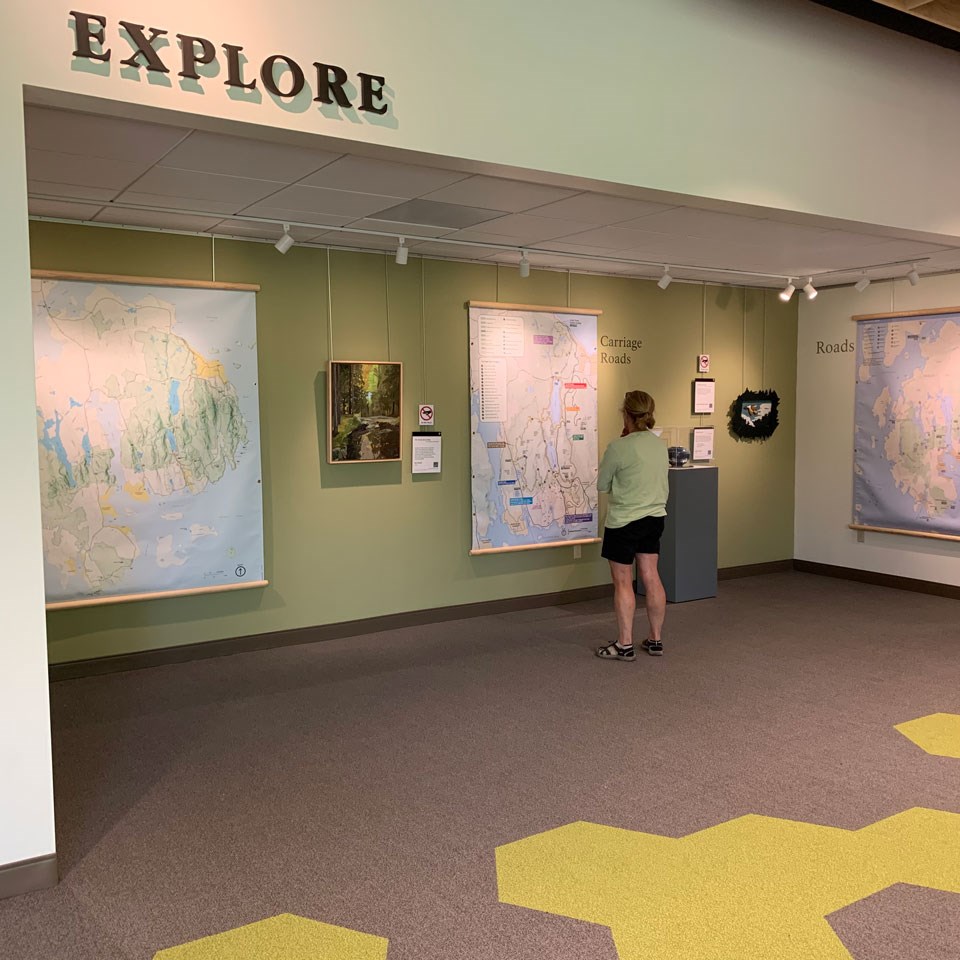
906 467
704 395
703 443
533 411
149 438
426 453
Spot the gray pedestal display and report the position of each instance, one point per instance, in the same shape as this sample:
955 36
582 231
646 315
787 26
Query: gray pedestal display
688 550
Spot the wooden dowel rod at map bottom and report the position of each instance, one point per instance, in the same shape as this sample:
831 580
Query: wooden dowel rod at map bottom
536 546
131 597
905 533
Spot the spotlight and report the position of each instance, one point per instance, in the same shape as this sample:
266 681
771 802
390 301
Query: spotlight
524 264
809 289
665 280
402 253
913 276
862 284
286 241
787 292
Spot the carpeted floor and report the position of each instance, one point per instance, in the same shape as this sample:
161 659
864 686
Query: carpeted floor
367 783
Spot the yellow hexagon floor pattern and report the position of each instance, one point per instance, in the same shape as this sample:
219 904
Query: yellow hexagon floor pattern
937 734
754 888
285 937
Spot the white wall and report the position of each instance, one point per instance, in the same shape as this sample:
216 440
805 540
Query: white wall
26 791
825 398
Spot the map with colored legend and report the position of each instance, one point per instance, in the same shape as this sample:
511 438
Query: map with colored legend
533 422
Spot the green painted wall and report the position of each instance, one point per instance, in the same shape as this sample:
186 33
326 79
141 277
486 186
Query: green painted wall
345 542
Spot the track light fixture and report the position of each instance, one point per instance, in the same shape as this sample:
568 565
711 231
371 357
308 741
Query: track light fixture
862 284
524 264
787 292
665 280
403 251
913 276
286 241
809 289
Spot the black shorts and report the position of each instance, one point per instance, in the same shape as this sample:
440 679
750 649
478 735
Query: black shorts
622 544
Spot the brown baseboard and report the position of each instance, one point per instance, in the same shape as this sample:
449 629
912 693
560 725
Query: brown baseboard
879 579
75 669
28 876
754 569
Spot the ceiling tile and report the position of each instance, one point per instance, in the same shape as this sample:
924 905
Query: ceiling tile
83 169
339 203
242 157
152 218
511 196
166 181
344 238
110 137
613 238
599 208
382 176
271 211
429 248
436 214
407 229
70 191
187 204
263 231
62 209
522 228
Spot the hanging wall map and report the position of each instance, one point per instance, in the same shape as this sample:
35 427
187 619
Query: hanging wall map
533 416
907 423
149 439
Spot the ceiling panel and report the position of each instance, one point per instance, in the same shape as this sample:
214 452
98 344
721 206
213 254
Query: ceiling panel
435 214
69 190
410 229
612 238
271 211
240 157
344 238
83 169
63 209
511 196
155 218
382 176
63 131
338 203
431 248
521 228
167 181
263 231
599 209
222 207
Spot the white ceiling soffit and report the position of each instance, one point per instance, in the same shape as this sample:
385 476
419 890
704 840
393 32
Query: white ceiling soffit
106 169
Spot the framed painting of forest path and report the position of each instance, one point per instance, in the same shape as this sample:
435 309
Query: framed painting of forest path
364 410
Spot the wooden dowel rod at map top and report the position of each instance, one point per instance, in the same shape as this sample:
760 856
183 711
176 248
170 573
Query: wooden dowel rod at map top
142 281
130 597
905 533
535 546
932 312
531 307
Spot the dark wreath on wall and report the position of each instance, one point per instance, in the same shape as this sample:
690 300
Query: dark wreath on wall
753 415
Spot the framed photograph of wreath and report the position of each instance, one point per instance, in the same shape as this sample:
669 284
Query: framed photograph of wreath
754 415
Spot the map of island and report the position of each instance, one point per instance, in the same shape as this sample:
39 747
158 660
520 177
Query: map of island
533 411
148 430
907 424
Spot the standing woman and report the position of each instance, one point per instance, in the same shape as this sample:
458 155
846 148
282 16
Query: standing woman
634 472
